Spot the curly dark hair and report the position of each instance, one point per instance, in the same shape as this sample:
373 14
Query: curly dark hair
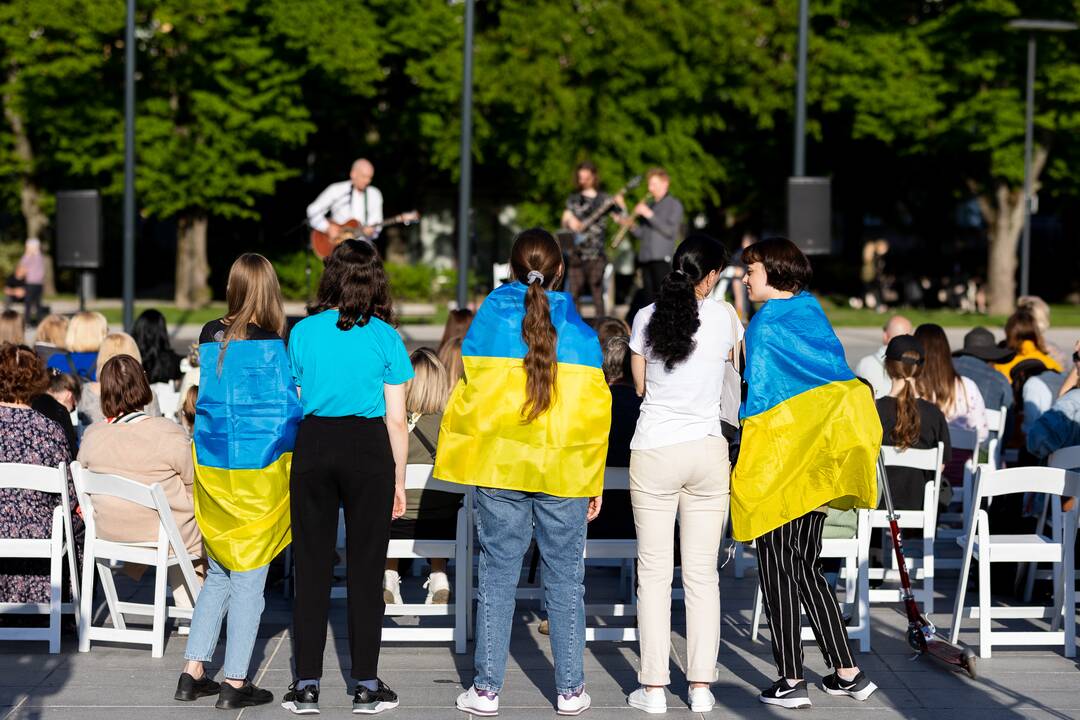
671 329
22 374
355 283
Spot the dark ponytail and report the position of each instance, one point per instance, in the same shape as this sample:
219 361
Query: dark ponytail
536 261
670 332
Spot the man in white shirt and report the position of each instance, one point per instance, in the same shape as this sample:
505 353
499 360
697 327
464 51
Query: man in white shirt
352 199
872 367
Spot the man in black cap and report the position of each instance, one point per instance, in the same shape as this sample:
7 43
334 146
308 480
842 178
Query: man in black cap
973 361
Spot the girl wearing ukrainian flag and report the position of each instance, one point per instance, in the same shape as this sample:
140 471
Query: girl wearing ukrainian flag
528 425
246 418
810 440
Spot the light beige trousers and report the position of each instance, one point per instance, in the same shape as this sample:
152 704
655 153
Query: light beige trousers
690 480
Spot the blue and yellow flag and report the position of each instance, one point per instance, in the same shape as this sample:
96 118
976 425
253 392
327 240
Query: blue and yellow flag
483 440
245 428
811 433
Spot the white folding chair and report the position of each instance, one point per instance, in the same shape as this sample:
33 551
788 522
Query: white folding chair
925 520
981 545
168 398
960 440
457 548
744 559
995 446
166 552
855 553
1066 459
16 476
500 274
625 551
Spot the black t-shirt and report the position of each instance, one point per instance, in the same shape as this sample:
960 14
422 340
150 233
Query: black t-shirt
214 331
592 240
907 484
51 408
625 408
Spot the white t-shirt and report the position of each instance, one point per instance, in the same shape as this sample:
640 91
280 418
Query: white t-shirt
684 404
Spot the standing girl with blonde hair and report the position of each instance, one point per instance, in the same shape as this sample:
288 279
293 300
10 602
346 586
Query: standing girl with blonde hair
528 425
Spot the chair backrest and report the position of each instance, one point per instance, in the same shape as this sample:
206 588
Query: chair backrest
1051 481
500 274
19 476
419 477
616 478
926 459
996 420
963 439
1067 458
168 398
92 483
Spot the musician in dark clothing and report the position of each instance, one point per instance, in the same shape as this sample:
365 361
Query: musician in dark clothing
587 259
659 223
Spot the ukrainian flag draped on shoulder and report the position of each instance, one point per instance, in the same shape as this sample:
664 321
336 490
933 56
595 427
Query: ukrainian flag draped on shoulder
245 428
483 440
811 433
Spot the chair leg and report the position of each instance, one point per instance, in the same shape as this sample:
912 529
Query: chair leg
56 580
756 620
108 586
86 597
1069 597
928 573
985 641
157 647
863 598
961 591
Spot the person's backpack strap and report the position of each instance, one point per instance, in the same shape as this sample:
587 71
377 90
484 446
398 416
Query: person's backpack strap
428 445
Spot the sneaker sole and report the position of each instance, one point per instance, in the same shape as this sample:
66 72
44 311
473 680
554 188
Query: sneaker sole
860 696
789 703
373 708
300 708
192 697
476 711
572 713
439 597
388 598
702 708
238 705
651 709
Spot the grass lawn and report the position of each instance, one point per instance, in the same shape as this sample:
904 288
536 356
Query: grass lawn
840 315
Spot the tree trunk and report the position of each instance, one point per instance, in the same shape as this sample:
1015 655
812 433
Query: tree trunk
192 268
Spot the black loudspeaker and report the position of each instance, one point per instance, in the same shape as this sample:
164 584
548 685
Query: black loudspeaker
810 214
78 229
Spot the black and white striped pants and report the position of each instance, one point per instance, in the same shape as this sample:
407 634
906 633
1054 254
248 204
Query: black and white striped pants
789 573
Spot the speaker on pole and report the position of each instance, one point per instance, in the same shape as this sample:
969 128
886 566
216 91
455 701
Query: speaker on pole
78 229
810 214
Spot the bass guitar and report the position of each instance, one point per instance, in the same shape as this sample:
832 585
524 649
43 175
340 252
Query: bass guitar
323 243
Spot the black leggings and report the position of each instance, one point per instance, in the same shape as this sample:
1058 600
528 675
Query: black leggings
342 461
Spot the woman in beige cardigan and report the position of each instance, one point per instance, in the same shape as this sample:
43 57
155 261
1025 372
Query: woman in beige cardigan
145 449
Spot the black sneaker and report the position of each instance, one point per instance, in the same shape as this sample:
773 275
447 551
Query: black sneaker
783 695
188 688
231 698
369 702
303 701
860 688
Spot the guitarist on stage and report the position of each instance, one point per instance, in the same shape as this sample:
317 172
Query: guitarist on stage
352 199
587 258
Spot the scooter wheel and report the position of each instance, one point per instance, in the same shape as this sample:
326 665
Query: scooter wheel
968 661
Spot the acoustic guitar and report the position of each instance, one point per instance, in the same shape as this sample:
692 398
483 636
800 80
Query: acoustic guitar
323 243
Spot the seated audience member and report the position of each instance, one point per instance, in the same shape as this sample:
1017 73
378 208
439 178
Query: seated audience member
58 402
1041 312
1038 394
187 408
85 332
1059 427
610 327
161 362
872 367
12 327
28 437
145 449
617 519
956 396
457 324
450 357
49 339
1022 336
429 514
974 361
90 406
908 421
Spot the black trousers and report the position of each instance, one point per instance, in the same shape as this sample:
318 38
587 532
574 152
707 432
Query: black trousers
790 575
33 303
588 275
653 273
344 461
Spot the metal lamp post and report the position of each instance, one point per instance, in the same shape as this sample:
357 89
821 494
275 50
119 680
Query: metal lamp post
129 167
1031 27
465 187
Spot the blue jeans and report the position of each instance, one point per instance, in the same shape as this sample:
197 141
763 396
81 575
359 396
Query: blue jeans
241 595
505 522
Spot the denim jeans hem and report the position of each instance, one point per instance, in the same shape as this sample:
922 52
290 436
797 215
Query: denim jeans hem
197 659
486 688
572 691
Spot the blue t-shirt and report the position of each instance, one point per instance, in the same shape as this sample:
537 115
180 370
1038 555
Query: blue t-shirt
342 373
81 364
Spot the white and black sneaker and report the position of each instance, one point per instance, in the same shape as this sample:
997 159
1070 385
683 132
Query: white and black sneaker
859 688
302 701
370 702
783 695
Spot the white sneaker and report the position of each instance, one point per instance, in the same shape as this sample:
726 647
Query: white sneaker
438 589
574 704
478 702
651 701
701 700
391 587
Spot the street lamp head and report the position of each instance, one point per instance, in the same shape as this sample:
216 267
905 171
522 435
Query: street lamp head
1042 25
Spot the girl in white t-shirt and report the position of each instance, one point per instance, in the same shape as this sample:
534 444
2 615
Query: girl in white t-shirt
679 466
